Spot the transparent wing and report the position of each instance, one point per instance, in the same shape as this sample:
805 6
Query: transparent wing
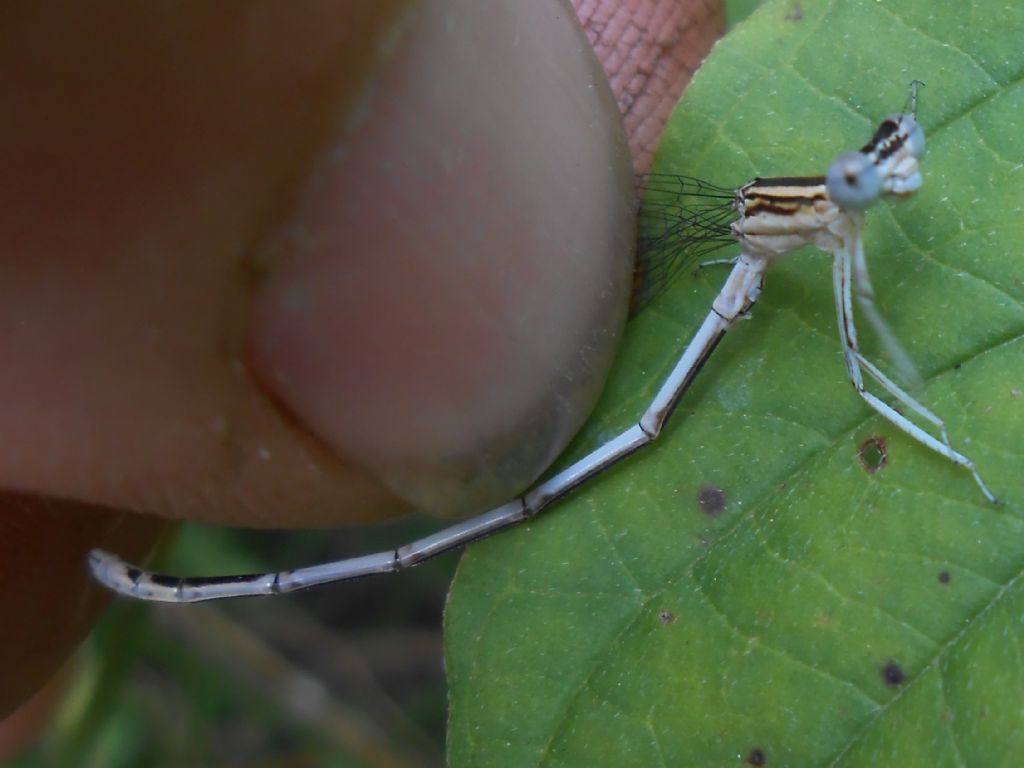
682 220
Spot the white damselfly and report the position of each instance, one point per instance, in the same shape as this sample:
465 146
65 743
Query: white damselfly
683 219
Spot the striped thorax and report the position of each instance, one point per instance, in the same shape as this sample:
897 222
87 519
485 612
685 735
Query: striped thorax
780 214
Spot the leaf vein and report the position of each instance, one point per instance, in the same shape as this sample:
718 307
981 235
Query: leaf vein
780 652
941 653
882 612
949 721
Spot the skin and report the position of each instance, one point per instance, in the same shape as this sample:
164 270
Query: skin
195 250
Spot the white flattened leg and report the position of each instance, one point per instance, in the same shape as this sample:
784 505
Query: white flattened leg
855 361
866 297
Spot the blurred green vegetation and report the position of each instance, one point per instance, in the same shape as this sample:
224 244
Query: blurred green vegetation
337 677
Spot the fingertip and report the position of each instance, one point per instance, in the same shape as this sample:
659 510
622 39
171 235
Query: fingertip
458 276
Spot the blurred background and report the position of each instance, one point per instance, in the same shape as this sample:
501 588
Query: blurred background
349 675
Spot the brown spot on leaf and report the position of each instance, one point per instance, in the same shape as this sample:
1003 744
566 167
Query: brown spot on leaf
873 454
712 500
757 757
666 617
945 577
893 674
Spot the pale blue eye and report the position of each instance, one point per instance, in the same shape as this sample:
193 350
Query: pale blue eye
853 181
906 132
915 137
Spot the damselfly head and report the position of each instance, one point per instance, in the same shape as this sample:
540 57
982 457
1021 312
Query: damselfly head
853 181
898 133
897 136
888 164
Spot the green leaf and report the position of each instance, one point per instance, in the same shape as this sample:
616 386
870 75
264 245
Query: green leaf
827 615
738 10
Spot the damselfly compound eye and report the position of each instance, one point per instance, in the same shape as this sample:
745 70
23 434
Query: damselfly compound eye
915 136
853 181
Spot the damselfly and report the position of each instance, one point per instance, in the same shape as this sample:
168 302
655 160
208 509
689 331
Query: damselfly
683 219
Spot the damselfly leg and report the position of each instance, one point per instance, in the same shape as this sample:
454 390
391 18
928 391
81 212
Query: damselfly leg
843 260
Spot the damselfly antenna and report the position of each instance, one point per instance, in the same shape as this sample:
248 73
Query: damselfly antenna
914 86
